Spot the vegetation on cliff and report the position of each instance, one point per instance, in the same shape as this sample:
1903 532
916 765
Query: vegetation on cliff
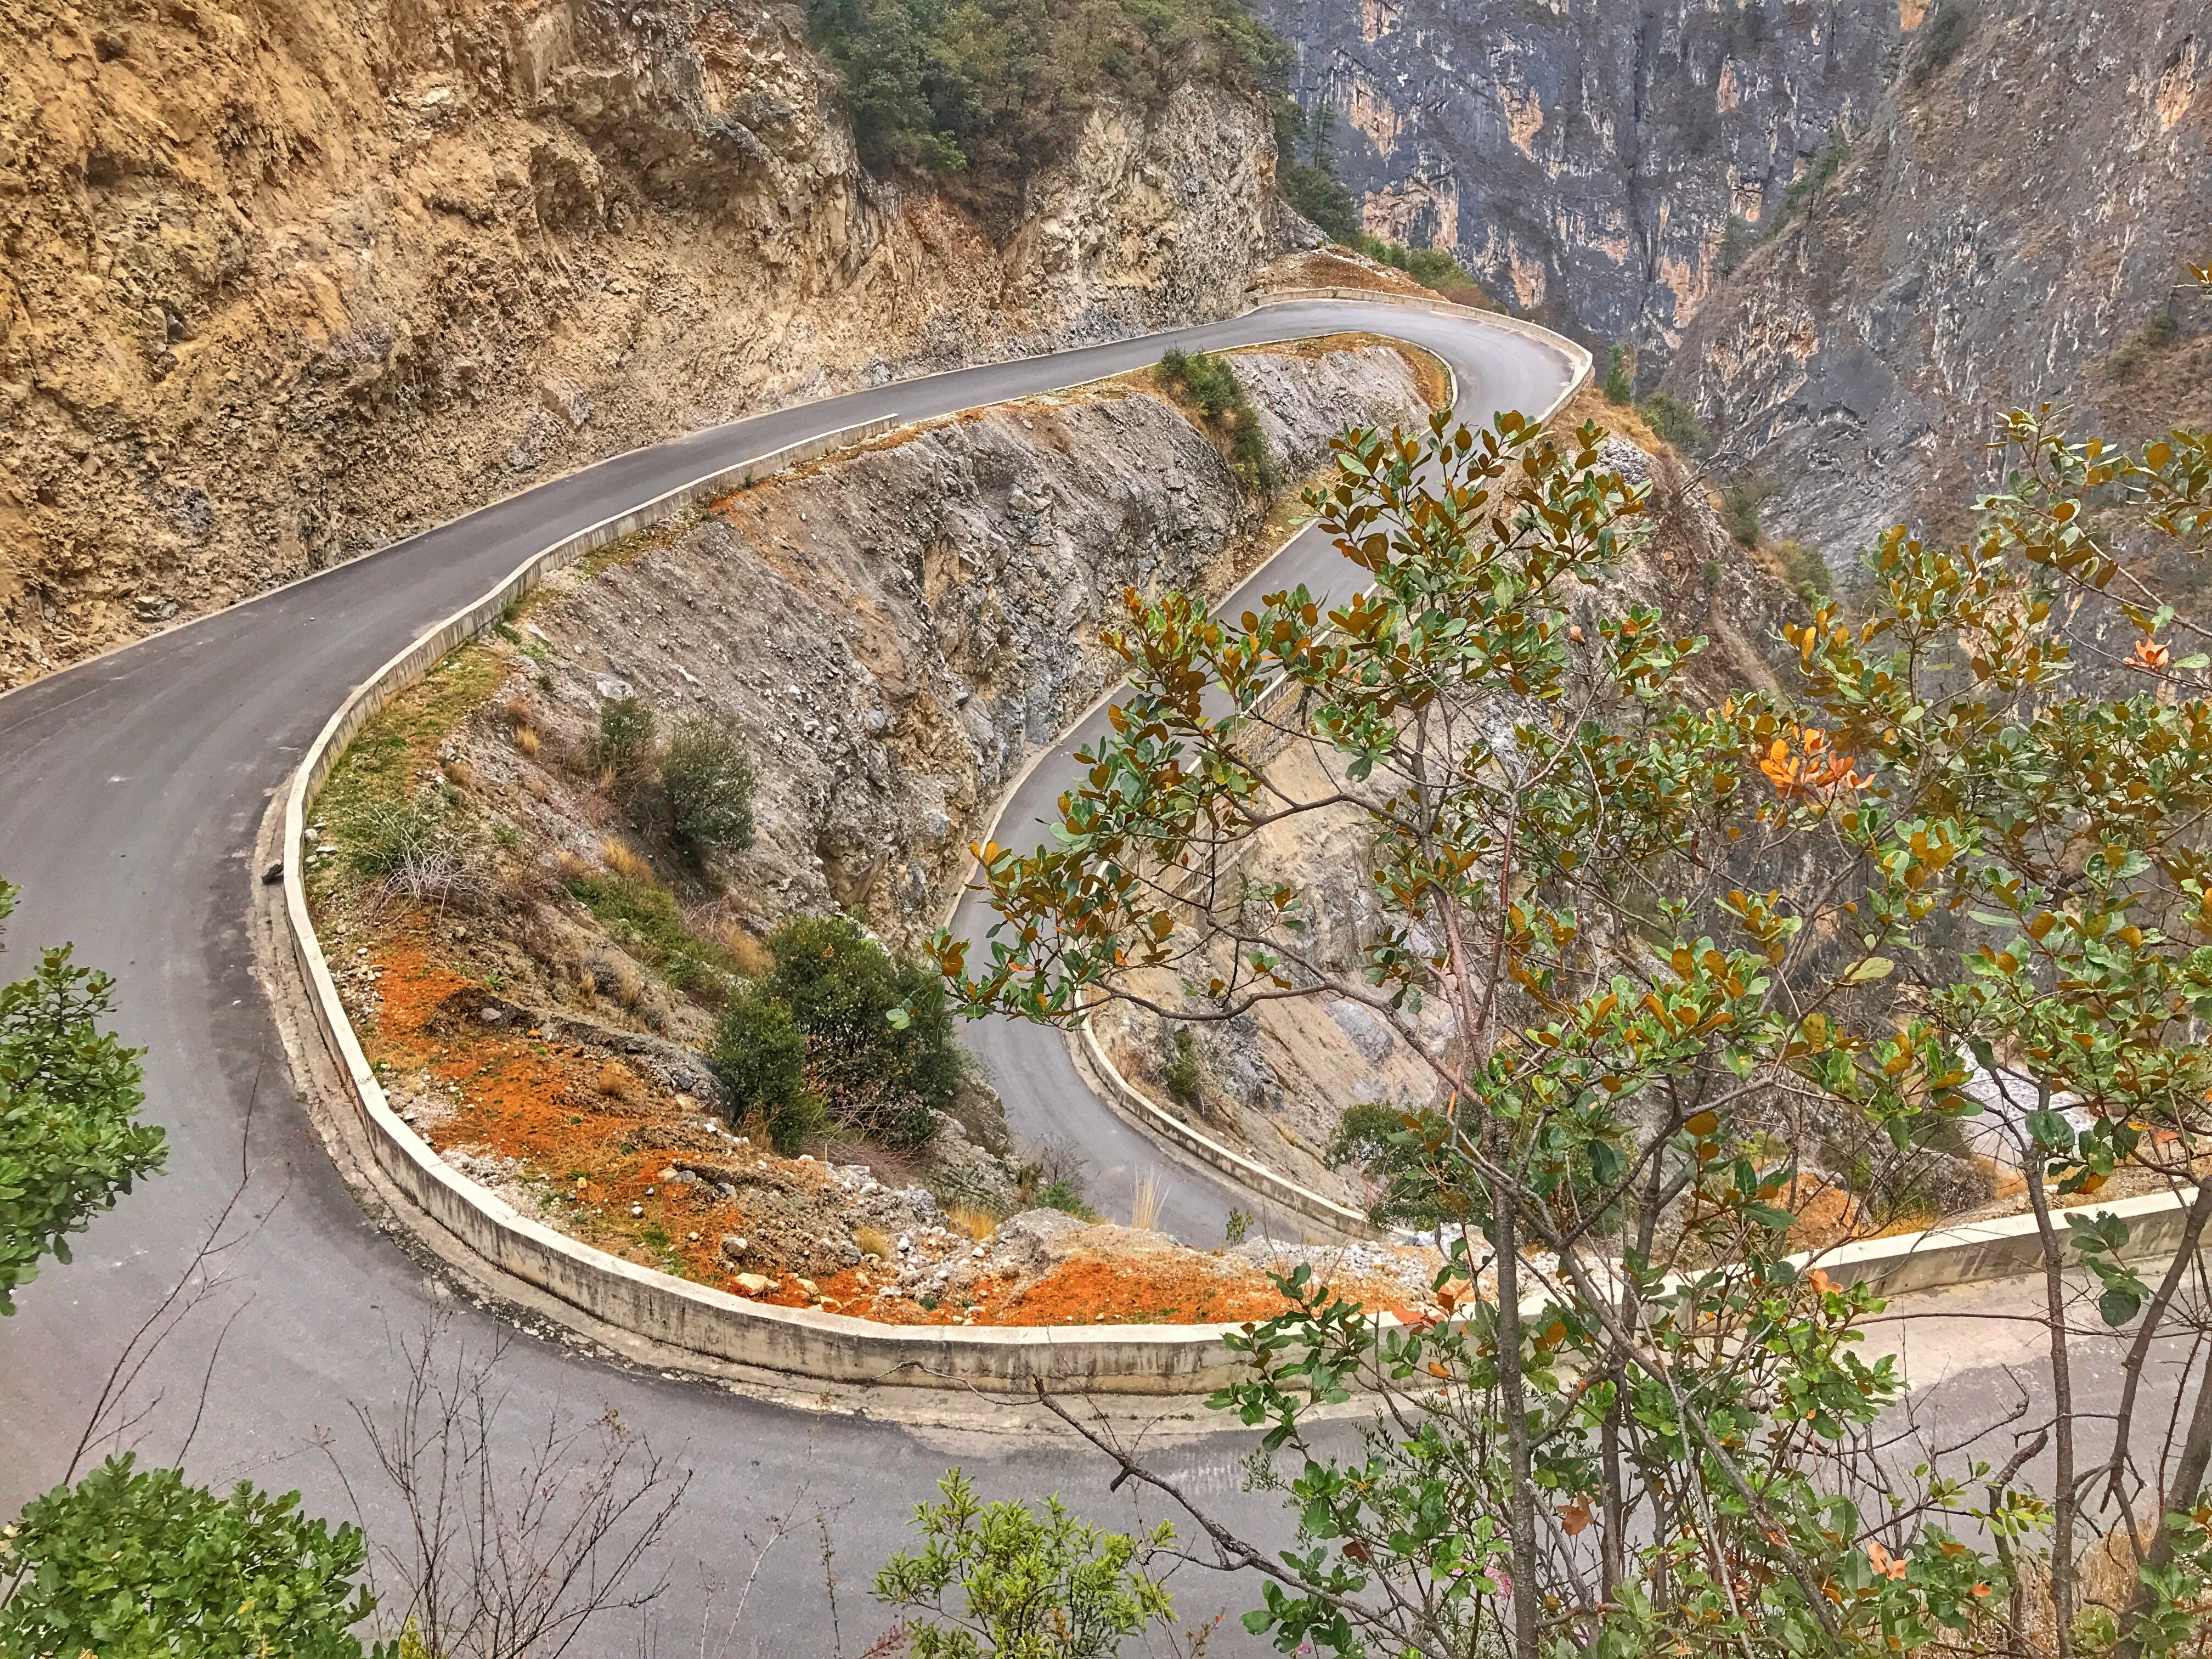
983 96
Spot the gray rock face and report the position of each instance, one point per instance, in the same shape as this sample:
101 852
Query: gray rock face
896 634
1997 238
1583 159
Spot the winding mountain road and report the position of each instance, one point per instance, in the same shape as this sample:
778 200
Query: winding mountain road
131 789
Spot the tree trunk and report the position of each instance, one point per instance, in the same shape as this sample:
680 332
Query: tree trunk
1521 1496
2063 1499
2188 1483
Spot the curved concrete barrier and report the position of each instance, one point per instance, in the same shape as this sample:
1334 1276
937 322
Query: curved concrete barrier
1163 1360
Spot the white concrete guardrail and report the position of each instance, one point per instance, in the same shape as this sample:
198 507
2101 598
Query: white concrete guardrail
1163 1360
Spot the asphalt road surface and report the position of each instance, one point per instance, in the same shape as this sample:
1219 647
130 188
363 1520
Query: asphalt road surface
130 790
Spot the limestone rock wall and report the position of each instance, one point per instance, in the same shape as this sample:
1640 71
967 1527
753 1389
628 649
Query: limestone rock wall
286 281
1584 158
2012 230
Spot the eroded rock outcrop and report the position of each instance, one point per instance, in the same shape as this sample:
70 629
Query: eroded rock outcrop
2011 228
1584 159
287 283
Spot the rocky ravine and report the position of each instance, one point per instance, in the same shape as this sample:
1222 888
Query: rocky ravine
1583 158
2011 228
284 283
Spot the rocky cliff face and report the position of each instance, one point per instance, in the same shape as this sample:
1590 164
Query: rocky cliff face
1584 158
287 282
2013 228
896 634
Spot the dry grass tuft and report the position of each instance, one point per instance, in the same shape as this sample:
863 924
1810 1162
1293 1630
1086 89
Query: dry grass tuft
460 774
526 741
750 953
872 1242
1145 1202
971 1223
630 866
569 865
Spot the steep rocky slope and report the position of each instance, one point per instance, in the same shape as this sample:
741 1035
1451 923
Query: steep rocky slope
2013 228
286 281
1583 158
895 632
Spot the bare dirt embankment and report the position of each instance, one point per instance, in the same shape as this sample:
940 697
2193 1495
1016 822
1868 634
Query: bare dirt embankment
894 633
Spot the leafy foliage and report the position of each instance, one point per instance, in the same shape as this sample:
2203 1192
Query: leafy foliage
1672 929
1620 384
1675 423
983 95
646 920
71 1141
708 784
1209 383
624 743
817 1042
1797 200
1305 170
1182 1074
1431 267
1740 503
131 1562
999 1579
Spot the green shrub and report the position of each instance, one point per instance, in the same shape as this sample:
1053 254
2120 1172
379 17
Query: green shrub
1805 569
707 783
1737 240
1675 423
760 1054
646 921
1740 503
1305 171
128 1563
984 97
1002 1580
1941 36
71 1141
1431 267
1065 1195
1226 409
382 837
624 745
1382 1141
882 1079
835 990
1798 198
1181 1076
1620 384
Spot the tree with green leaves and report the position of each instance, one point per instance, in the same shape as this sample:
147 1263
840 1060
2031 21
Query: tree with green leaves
1698 945
70 1141
1001 1581
133 1561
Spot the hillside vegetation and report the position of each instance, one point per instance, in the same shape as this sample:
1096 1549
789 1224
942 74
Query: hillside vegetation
983 96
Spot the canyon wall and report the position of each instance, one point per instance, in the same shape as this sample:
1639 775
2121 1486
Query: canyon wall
1584 158
2013 228
285 282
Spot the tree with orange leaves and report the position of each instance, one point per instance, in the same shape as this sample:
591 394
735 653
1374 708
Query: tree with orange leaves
1680 939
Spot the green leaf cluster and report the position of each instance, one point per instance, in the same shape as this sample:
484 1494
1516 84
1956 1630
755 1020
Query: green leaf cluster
1003 1581
816 1042
131 1562
71 1141
981 94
